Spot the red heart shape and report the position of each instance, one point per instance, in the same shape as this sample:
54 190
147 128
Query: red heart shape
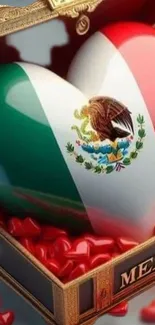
15 227
7 318
41 252
78 271
49 245
100 244
53 266
99 260
61 246
80 250
66 269
51 233
31 227
119 310
28 244
126 244
147 313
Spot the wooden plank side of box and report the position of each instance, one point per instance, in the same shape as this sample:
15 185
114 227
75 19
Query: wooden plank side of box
102 288
30 275
87 297
126 276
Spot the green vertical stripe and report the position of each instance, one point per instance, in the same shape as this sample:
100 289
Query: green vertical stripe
28 149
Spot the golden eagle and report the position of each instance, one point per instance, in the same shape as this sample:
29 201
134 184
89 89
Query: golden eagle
105 110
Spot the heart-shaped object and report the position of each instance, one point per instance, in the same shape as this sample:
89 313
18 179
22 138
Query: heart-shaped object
147 313
28 244
60 166
51 252
49 246
110 69
51 233
31 227
54 266
79 270
15 227
99 259
126 244
61 246
66 269
79 251
119 310
100 244
41 252
7 318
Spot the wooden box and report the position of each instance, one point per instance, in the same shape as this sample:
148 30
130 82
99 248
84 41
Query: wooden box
83 300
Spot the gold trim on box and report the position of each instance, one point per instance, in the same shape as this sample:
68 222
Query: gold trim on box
132 295
71 305
58 299
93 310
66 296
132 288
13 19
104 287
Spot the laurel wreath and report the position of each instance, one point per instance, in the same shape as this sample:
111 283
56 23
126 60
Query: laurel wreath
98 169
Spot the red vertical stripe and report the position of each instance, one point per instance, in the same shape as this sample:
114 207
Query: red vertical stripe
136 43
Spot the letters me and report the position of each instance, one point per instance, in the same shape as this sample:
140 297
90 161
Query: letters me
137 272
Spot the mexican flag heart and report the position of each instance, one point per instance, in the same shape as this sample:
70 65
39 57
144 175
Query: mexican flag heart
115 69
72 160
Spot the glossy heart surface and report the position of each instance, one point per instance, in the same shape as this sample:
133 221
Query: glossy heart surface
115 69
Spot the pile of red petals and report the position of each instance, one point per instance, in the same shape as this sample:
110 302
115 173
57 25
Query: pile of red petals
66 257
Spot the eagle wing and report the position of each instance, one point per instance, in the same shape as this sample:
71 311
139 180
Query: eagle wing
115 111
